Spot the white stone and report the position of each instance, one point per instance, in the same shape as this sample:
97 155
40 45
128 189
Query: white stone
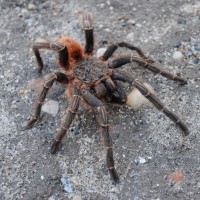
50 107
131 22
100 25
51 198
101 5
66 184
130 36
31 6
188 8
108 3
136 100
142 160
100 52
177 55
108 30
111 8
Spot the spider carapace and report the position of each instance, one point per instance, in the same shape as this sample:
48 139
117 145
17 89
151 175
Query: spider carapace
96 81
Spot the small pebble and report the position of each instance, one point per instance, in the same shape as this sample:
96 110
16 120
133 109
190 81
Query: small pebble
101 5
177 45
136 198
108 30
136 100
50 107
131 22
140 160
22 91
100 25
51 198
75 181
197 48
42 177
188 8
111 8
130 36
108 3
67 184
177 55
134 9
198 185
100 52
31 6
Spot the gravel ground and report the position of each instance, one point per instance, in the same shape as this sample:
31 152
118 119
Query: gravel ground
153 159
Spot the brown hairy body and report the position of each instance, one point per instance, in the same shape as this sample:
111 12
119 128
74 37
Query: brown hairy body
96 81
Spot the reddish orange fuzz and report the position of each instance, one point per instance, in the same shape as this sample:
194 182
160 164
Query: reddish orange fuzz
75 50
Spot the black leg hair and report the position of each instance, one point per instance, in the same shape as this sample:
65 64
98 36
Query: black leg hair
128 77
69 116
102 120
116 90
119 95
88 28
100 89
112 90
113 47
110 84
152 67
55 46
57 76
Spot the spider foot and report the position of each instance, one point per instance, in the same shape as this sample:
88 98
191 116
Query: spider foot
114 175
55 146
40 68
183 80
30 123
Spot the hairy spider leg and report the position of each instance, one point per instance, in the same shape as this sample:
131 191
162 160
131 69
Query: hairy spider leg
152 67
102 120
88 28
113 47
55 46
118 95
69 116
128 77
57 76
112 89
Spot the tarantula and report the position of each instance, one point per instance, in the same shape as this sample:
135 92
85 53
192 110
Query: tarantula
96 81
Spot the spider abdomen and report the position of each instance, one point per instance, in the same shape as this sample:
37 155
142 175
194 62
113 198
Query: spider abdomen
89 70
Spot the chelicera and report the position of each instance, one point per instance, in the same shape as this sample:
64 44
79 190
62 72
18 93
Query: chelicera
96 81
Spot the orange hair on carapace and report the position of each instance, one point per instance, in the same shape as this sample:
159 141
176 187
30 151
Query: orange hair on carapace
75 51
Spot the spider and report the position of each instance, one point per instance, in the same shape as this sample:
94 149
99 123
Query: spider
96 81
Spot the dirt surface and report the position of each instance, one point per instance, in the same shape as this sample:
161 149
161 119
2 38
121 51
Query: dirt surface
153 159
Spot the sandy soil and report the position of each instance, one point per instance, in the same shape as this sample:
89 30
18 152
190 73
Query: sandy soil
153 159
